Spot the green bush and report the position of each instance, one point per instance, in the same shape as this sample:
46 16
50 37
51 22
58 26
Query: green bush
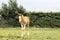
41 19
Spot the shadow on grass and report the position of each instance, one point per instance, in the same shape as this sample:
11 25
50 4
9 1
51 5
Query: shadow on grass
10 36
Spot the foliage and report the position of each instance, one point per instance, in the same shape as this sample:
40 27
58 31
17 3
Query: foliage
38 19
9 13
41 19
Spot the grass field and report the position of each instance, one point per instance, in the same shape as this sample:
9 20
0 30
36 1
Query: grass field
35 34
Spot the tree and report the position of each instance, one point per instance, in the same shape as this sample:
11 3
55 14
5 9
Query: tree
10 12
21 9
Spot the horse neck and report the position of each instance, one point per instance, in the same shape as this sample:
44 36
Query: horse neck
22 18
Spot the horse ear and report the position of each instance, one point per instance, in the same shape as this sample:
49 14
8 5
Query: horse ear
19 14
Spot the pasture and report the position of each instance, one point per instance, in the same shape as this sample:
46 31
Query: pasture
35 34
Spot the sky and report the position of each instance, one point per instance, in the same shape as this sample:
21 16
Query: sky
37 5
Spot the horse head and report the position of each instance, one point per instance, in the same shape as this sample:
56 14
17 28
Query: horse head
20 15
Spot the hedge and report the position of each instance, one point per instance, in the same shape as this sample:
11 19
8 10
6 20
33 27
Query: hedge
45 19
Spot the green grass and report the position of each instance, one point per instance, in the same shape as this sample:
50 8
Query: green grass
35 34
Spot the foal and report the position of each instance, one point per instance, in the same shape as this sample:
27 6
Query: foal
24 20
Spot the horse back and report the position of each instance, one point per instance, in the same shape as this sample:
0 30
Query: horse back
26 19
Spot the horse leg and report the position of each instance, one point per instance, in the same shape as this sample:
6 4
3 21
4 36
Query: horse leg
23 30
28 29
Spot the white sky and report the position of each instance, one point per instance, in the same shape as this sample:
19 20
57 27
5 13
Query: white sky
38 5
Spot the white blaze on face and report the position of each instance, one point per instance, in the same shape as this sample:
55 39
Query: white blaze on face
19 18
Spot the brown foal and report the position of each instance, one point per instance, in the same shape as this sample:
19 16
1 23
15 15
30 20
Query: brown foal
25 21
